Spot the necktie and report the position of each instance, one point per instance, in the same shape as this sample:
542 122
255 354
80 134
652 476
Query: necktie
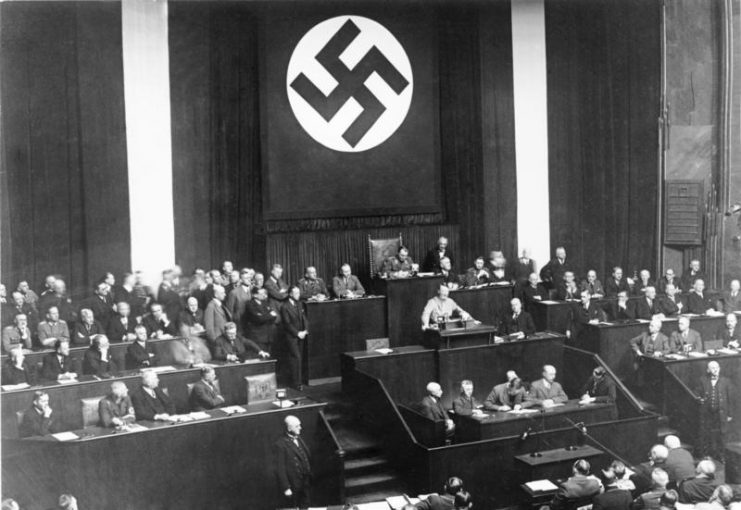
650 303
125 322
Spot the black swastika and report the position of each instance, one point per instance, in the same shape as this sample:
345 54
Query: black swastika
350 83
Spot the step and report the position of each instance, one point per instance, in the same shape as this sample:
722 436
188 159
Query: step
355 442
370 483
361 465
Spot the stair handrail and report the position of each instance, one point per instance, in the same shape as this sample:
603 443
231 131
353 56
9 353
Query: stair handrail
338 450
394 407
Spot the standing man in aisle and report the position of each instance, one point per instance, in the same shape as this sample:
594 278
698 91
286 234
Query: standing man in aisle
295 329
293 465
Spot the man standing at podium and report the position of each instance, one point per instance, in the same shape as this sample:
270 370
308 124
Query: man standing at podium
441 306
293 465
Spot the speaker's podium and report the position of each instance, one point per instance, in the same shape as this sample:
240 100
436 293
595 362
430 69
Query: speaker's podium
459 333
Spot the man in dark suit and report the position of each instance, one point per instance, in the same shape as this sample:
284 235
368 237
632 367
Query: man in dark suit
260 320
190 320
732 298
347 285
701 487
670 304
99 304
685 339
585 313
432 407
58 365
593 285
717 395
206 393
19 306
614 498
150 402
167 296
311 286
650 499
552 273
17 335
580 485
86 328
534 291
669 278
450 278
690 275
616 283
234 348
654 343
16 370
519 323
139 354
522 268
567 289
58 297
477 275
293 465
645 306
644 280
240 295
295 330
158 323
431 262
599 387
121 326
98 360
38 419
730 333
277 288
697 301
679 464
444 501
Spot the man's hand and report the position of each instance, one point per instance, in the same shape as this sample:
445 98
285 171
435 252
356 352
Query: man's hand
548 402
232 357
272 312
288 493
47 411
263 354
505 408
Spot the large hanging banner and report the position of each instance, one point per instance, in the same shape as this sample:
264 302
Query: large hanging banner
349 113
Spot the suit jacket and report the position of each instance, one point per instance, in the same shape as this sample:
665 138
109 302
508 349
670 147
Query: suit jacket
562 292
696 490
153 326
679 465
472 277
34 423
204 396
101 309
13 337
731 303
10 310
147 407
603 389
310 288
668 307
612 499
499 396
580 316
639 288
433 409
240 347
529 293
539 392
612 287
640 309
170 300
82 334
67 312
431 263
464 406
437 502
593 288
698 304
292 464
277 292
341 287
523 323
13 375
117 332
688 279
728 336
94 364
676 342
576 487
294 319
236 302
259 322
553 271
215 318
648 500
663 282
108 409
51 367
726 395
643 343
139 357
620 314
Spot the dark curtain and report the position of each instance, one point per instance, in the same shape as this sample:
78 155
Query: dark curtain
603 60
64 179
215 134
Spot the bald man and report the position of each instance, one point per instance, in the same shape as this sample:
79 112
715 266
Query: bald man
546 392
718 397
432 407
293 465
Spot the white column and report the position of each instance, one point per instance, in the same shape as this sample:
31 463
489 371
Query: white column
148 140
531 127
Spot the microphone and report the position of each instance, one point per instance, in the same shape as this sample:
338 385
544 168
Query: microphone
526 434
733 210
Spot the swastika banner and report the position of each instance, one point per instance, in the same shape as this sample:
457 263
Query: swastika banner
349 113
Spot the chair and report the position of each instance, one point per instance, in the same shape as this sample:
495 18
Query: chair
261 387
379 250
89 408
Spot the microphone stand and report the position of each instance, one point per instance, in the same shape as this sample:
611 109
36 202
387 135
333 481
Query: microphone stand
537 453
581 427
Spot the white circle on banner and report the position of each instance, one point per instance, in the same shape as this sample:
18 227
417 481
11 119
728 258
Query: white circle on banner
362 95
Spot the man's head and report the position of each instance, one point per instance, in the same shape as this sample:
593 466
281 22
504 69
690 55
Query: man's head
699 285
581 467
731 321
233 277
192 304
670 289
568 277
443 291
276 271
660 478
259 280
533 279
215 275
683 324
598 373
549 373
261 294
346 270
526 253
67 502
695 265
479 263
62 347
18 298
514 385
227 267
40 399
445 264
230 330
119 389
591 276
669 274
140 330
59 287
11 504
52 314
219 292
101 289
617 272
21 320
109 279
23 287
467 387
654 326
714 369
49 282
645 275
561 252
208 374
294 293
442 243
156 309
622 296
453 485
705 468
735 285
87 316
671 442
585 297
128 279
293 425
516 305
124 309
245 276
403 253
658 453
150 379
101 342
310 273
434 389
650 292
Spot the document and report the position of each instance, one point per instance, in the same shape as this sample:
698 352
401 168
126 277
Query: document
166 368
384 350
65 436
695 354
199 415
233 410
14 387
541 486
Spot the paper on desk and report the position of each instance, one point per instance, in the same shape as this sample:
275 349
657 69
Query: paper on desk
135 427
233 410
674 356
384 350
67 381
283 403
605 323
643 321
541 486
199 415
65 436
523 411
549 302
166 368
13 387
697 355
726 350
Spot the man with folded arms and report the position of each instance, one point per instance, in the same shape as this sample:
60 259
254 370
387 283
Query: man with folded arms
347 285
567 290
206 393
59 365
139 354
150 402
686 339
508 395
546 392
616 283
312 287
16 370
441 306
260 318
38 419
86 328
116 409
670 304
652 343
730 333
121 326
697 301
158 323
593 285
234 348
98 360
17 335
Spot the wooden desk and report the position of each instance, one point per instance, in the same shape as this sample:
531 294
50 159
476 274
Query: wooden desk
405 300
455 335
556 315
486 304
612 341
338 326
555 464
497 424
65 398
220 462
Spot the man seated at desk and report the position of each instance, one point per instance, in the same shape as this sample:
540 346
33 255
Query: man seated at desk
466 404
584 313
652 343
671 303
520 324
445 501
730 333
399 266
508 396
731 299
98 360
312 287
441 307
685 339
191 319
477 275
616 283
449 277
697 301
140 354
347 285
234 348
16 370
206 393
150 402
116 409
621 309
17 335
59 365
533 292
38 419
579 486
432 407
599 387
547 392
593 285
86 328
158 323
497 267
646 306
121 326
567 289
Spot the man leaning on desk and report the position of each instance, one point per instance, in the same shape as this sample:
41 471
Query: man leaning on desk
150 402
